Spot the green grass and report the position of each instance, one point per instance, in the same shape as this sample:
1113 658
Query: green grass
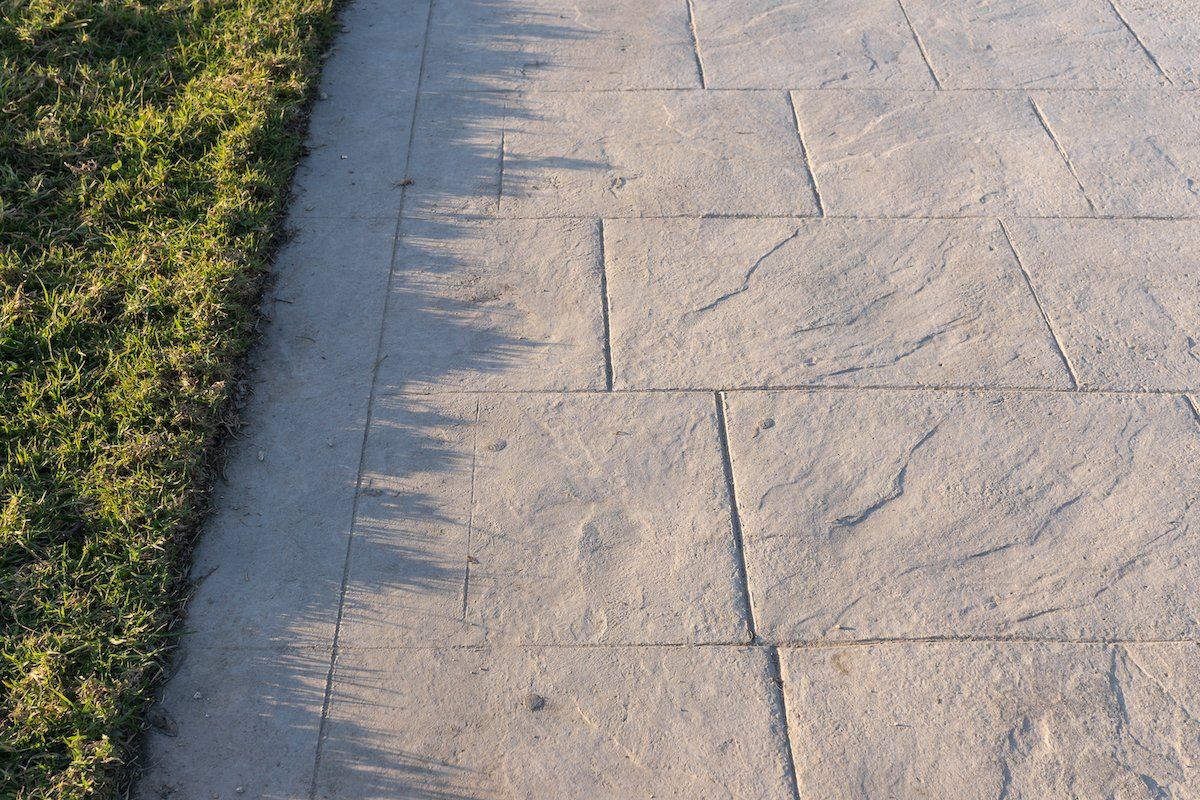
145 152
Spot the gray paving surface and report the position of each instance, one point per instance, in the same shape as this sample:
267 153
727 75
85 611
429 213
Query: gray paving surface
719 399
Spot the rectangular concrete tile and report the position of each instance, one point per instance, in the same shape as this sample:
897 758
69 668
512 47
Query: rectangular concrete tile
1136 153
649 154
922 514
558 722
1122 296
1011 44
539 44
977 720
272 554
587 518
934 154
763 44
359 126
732 303
495 305
238 722
1170 30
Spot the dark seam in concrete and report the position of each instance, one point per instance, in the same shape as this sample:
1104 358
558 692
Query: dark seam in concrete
691 9
1183 90
500 178
876 641
957 389
734 515
322 727
1141 44
1062 351
797 216
781 694
605 310
937 82
1061 151
470 512
812 173
817 387
794 644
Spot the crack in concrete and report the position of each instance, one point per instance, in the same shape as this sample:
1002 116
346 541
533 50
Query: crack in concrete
895 493
745 285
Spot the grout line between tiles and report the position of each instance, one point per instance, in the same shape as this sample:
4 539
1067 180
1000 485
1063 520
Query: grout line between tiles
761 644
735 517
691 9
810 387
323 725
605 312
535 92
781 689
470 512
1037 110
1113 5
500 178
937 82
479 217
812 173
814 644
1062 351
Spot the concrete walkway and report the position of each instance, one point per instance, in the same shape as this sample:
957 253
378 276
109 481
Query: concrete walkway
720 398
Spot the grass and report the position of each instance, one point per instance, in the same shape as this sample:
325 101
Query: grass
145 153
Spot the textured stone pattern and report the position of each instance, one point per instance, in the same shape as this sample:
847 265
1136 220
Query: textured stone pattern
719 399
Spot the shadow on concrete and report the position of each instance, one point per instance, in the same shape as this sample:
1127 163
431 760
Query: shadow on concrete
242 714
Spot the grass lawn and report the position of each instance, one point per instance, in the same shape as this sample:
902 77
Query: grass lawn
145 153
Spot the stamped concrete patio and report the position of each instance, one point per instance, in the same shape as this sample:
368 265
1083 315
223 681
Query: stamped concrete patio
719 398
